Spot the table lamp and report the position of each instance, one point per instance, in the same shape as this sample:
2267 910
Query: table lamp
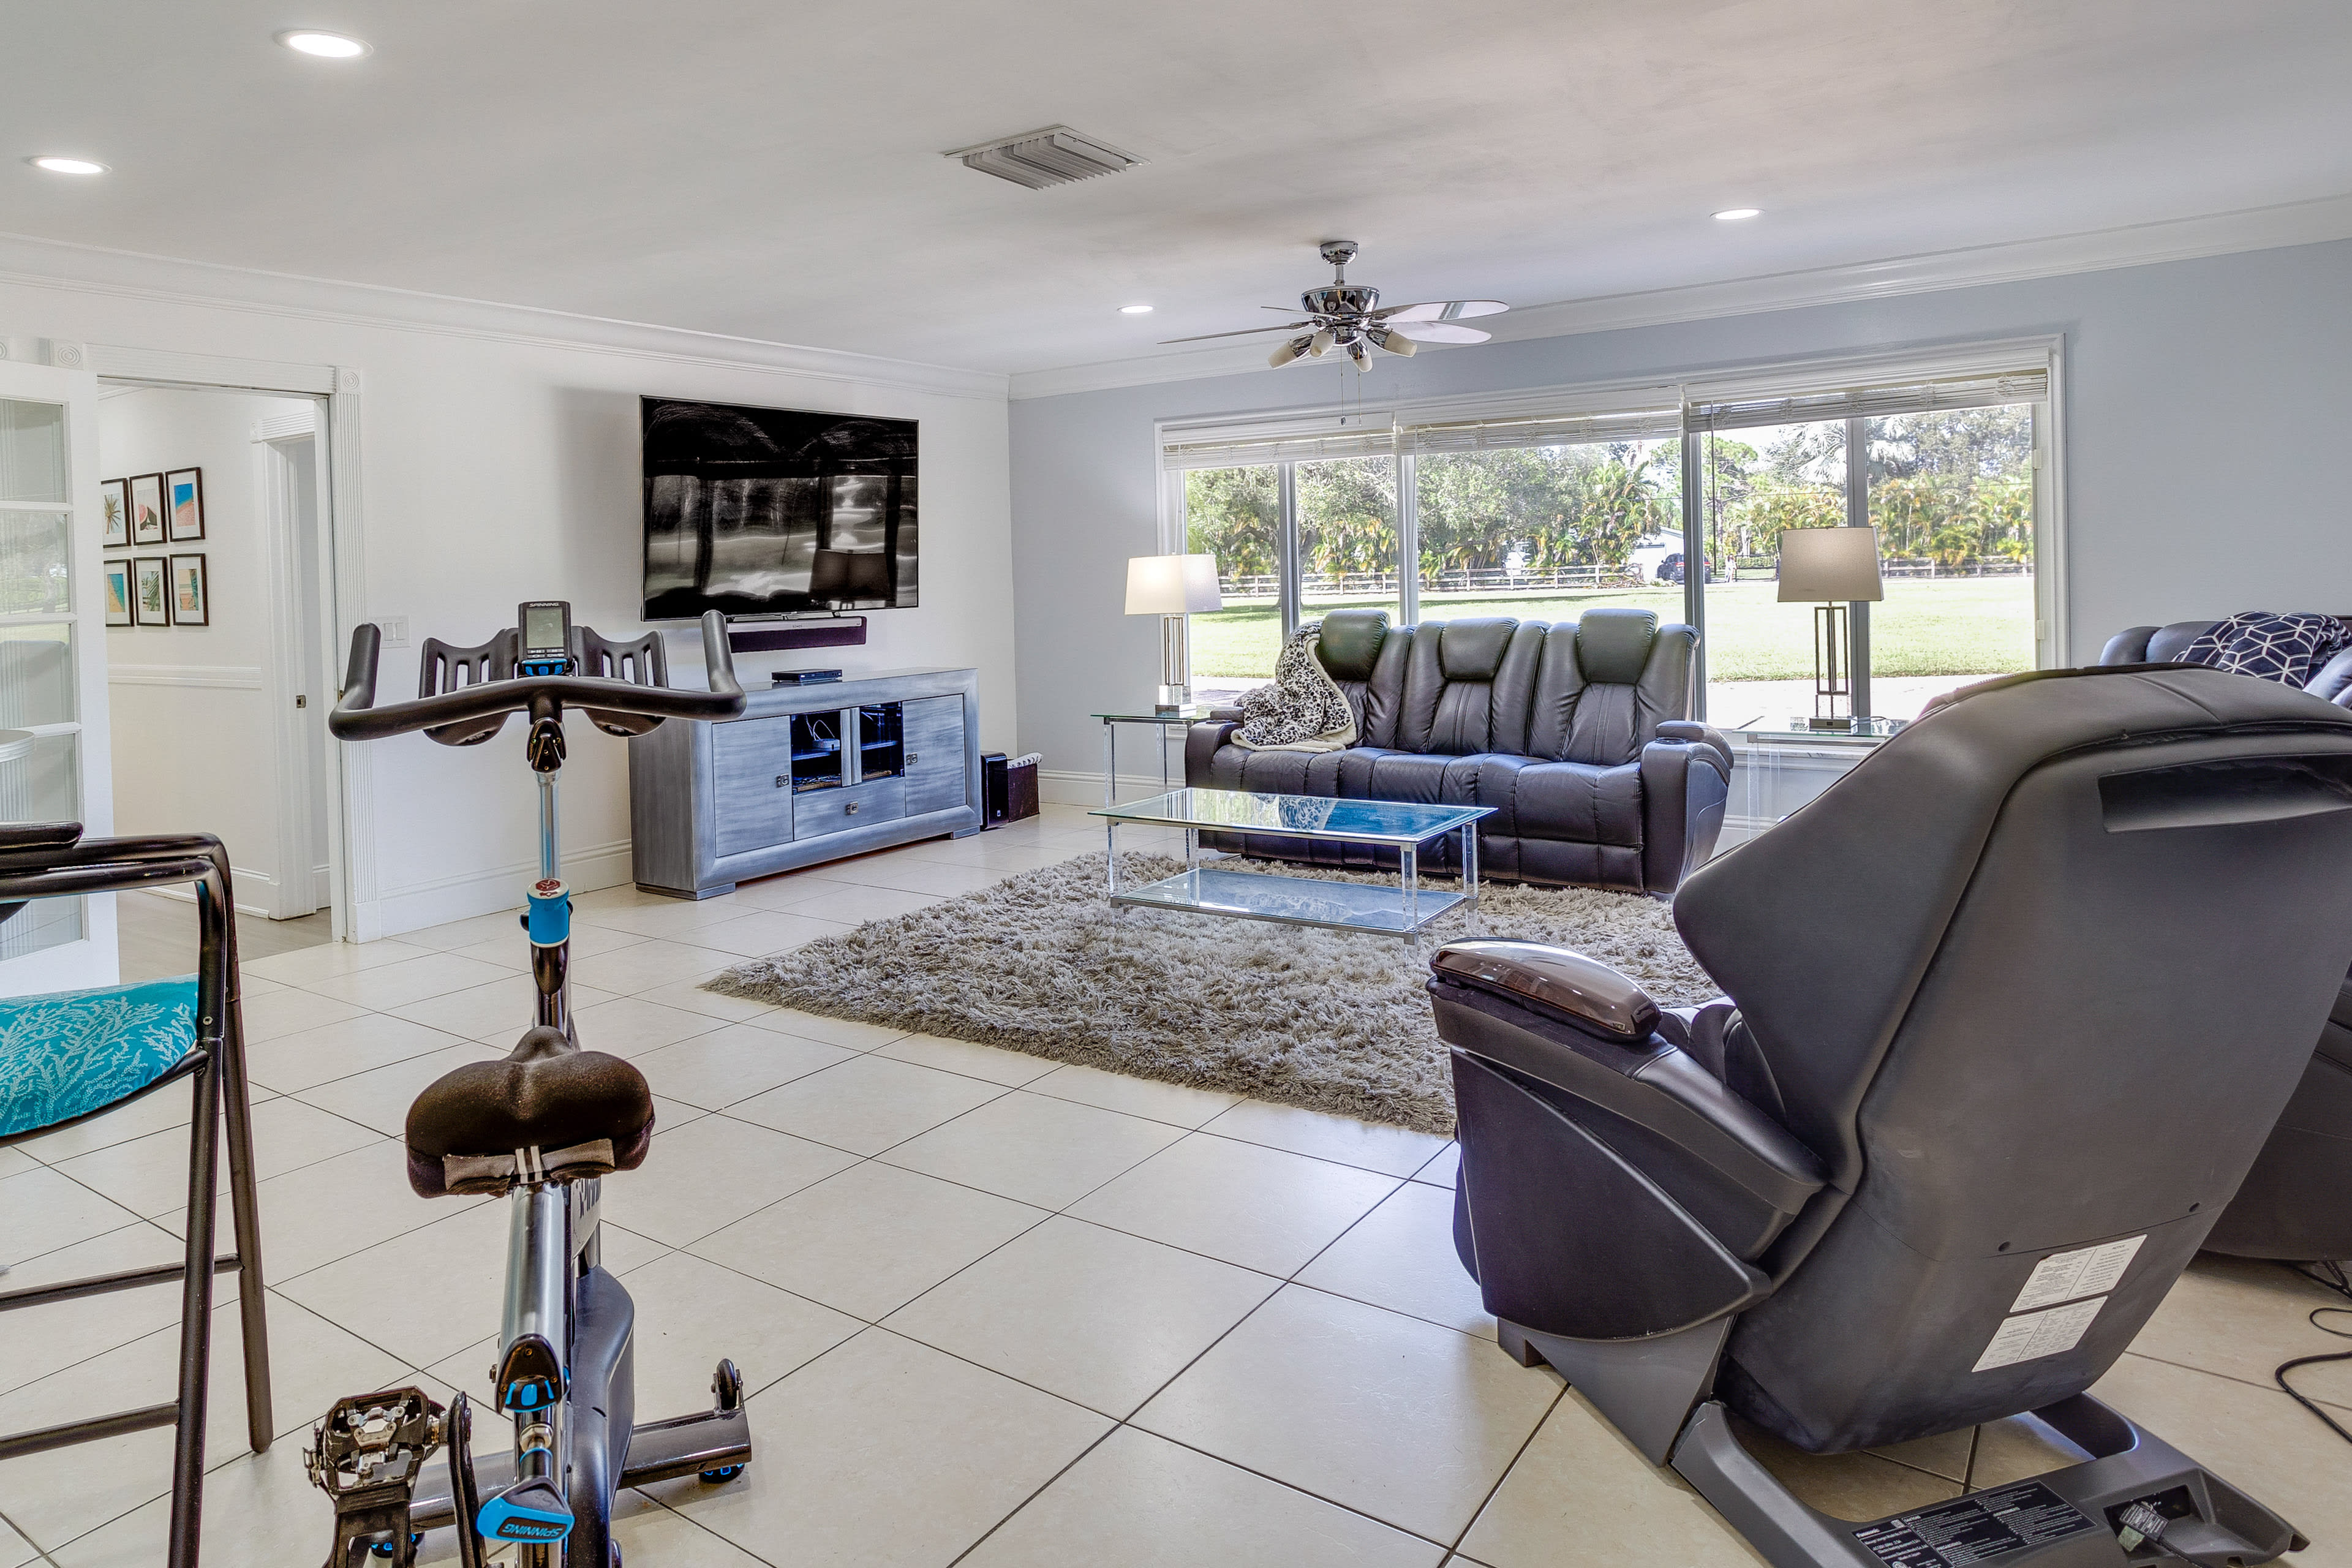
1172 587
1830 567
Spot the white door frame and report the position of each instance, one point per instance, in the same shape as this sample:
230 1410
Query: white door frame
340 591
292 681
92 959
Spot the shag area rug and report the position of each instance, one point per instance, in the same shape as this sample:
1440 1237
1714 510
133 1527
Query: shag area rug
1331 1021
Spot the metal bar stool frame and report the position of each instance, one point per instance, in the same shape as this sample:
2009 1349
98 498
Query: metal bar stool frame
52 860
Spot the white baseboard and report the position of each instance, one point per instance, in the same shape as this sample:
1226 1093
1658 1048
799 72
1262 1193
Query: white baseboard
1060 788
240 879
433 903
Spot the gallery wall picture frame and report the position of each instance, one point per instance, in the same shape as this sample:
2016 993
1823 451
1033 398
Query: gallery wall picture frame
183 502
114 510
146 509
191 598
118 591
150 591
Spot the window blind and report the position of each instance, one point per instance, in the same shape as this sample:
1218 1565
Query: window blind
1241 448
1554 430
1733 412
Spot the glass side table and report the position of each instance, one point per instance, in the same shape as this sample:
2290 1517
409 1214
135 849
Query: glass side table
1183 717
1782 763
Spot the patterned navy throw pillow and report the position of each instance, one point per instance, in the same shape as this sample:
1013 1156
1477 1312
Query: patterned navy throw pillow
2288 648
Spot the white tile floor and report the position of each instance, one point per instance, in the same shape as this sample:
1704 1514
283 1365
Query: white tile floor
995 1312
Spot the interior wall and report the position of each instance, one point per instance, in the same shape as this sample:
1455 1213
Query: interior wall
2204 400
187 707
498 465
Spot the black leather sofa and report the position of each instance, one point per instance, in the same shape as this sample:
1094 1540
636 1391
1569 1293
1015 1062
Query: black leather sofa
1576 733
2166 644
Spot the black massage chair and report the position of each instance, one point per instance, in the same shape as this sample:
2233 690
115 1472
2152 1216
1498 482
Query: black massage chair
2009 1010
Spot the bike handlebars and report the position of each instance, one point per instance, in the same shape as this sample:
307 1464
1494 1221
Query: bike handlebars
357 717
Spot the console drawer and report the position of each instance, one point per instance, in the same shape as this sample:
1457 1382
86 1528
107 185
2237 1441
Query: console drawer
820 811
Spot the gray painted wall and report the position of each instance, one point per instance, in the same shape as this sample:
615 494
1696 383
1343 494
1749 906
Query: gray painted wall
2180 504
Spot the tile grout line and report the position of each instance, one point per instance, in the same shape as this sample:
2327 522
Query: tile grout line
39 1550
1453 1549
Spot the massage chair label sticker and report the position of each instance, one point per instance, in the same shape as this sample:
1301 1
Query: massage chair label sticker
2085 1271
1978 1529
2030 1336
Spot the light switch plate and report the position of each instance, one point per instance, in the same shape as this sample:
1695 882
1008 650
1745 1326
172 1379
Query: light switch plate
396 630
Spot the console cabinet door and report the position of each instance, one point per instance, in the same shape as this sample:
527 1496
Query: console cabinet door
933 734
751 783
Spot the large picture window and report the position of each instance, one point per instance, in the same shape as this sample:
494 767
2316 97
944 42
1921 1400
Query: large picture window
1677 509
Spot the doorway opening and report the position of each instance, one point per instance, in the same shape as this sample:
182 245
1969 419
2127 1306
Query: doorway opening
217 595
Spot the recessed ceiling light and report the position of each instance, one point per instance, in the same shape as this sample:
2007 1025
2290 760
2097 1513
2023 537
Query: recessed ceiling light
326 45
1135 309
1733 215
67 165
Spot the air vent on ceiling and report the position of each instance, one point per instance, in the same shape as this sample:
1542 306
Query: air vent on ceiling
1056 155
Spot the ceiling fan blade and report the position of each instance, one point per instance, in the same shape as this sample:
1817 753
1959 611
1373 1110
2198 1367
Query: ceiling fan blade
1245 331
1440 310
1443 333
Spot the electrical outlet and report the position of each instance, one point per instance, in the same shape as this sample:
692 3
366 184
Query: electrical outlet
396 630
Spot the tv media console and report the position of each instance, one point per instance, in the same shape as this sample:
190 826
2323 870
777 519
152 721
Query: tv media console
809 773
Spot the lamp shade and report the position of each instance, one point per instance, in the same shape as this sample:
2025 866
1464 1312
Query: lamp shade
849 574
1172 585
1829 565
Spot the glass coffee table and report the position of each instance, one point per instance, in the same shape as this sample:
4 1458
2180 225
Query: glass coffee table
1405 910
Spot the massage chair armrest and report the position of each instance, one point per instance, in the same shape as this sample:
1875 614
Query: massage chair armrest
1685 786
1201 740
1589 1032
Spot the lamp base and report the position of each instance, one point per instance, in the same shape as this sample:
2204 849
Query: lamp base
1845 722
1172 699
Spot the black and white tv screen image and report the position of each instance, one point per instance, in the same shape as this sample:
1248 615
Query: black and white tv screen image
756 511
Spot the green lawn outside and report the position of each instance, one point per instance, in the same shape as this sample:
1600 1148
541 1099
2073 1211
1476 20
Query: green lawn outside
1960 626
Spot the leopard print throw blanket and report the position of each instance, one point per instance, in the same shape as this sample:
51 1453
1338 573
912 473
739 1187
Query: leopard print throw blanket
1304 709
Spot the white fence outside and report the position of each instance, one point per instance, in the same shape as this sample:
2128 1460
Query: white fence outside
1265 588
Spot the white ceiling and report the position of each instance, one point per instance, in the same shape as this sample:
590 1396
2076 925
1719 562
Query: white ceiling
772 170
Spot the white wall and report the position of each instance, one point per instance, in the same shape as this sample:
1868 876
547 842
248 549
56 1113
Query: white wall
179 693
2205 403
498 462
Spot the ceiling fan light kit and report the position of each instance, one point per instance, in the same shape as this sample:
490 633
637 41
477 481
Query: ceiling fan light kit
1349 316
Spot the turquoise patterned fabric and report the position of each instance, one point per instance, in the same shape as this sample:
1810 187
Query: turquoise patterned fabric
72 1052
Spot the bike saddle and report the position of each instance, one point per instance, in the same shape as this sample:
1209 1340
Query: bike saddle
550 1111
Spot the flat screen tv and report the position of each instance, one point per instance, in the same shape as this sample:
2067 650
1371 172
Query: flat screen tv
769 511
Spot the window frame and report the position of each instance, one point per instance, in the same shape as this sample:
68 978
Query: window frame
1310 427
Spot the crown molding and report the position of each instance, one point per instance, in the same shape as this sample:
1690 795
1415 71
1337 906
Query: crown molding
2138 244
36 263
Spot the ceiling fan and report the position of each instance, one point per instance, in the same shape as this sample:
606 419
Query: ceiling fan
1347 316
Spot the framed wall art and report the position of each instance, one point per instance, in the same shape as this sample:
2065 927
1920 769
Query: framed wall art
118 591
115 500
191 599
150 591
183 495
146 509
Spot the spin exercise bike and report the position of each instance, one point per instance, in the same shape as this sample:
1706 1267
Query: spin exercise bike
544 1128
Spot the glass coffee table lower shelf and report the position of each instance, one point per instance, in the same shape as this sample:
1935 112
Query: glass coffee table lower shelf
1405 909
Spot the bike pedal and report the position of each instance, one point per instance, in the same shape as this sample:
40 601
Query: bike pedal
528 1510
